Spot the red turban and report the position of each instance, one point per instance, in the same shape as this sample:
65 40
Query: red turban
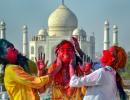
115 57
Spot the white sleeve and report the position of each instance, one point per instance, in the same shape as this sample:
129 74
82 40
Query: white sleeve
95 78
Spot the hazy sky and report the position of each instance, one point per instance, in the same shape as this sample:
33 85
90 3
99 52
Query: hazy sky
91 15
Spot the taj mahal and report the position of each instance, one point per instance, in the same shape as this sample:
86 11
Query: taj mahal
62 24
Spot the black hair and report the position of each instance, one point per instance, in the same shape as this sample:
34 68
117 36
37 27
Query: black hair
21 60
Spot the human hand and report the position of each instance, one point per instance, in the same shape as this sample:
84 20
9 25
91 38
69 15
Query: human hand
75 42
86 68
58 62
69 90
40 62
86 65
73 62
72 66
58 65
71 71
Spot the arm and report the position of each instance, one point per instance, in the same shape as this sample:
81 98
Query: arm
77 47
95 78
53 69
41 65
17 74
86 68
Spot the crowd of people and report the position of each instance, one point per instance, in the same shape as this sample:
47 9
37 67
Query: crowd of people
69 77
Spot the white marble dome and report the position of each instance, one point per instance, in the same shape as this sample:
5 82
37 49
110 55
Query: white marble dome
79 32
42 32
62 16
62 19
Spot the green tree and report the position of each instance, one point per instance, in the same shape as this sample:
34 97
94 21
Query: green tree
126 74
128 62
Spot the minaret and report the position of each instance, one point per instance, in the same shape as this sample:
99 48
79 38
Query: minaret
106 35
115 35
92 46
25 41
2 30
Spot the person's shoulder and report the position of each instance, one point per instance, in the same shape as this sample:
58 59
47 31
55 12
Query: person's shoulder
100 70
12 66
104 70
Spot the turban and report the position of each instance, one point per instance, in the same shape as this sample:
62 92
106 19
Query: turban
120 57
114 57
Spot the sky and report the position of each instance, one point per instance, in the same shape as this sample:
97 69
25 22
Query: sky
91 15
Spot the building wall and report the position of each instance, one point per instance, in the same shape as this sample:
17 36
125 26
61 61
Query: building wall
50 43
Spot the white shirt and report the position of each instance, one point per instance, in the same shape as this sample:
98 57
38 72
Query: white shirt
101 84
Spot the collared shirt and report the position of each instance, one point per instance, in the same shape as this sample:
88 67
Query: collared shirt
101 84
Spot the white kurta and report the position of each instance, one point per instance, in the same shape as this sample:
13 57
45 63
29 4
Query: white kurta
101 84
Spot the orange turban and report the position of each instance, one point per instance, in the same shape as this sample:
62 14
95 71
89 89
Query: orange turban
120 57
115 57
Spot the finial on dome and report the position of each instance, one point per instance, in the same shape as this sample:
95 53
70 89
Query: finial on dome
62 2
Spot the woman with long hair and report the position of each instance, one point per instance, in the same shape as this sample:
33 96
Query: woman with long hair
20 85
59 85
